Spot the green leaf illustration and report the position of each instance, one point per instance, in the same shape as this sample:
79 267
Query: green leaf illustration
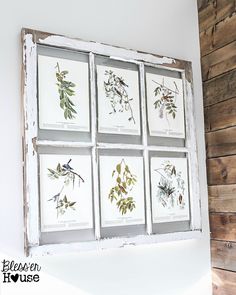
65 93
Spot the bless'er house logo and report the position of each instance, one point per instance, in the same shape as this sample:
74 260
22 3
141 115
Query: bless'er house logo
20 272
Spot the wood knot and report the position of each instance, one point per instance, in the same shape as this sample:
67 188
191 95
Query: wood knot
224 173
228 245
223 219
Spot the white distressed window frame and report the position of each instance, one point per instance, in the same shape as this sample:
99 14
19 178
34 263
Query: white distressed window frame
31 39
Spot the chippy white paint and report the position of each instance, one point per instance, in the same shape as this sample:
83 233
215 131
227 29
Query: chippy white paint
145 152
31 210
191 144
113 243
104 49
94 150
31 142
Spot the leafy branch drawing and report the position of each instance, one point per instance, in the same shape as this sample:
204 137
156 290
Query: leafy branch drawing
116 90
125 181
67 173
171 186
65 90
166 100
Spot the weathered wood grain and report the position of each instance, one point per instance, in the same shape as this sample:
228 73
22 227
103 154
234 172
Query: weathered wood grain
211 12
221 143
218 62
219 35
223 255
223 226
221 115
221 170
224 282
219 89
222 198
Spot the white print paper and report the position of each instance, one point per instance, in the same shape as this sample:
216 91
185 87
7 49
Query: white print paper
121 191
118 101
63 87
165 104
65 192
170 195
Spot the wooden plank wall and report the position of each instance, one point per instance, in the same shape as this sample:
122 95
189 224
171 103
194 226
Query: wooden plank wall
217 25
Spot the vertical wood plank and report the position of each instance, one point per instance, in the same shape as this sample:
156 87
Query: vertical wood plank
191 144
145 144
97 224
31 192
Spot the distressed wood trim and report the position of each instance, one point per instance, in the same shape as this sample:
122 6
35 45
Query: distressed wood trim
113 243
192 156
145 152
31 203
130 55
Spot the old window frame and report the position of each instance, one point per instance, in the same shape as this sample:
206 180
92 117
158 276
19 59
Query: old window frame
31 39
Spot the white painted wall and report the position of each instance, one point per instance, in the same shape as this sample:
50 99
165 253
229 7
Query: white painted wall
166 27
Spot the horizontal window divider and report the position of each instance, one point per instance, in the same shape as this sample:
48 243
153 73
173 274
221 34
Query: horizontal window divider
167 149
64 144
119 146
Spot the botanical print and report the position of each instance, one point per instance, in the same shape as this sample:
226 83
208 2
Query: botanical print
65 191
67 173
65 90
165 106
125 181
116 91
63 94
118 101
121 190
170 199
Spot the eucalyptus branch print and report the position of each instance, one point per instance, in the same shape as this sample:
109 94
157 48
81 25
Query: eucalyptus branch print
69 176
166 100
120 193
116 91
171 186
66 91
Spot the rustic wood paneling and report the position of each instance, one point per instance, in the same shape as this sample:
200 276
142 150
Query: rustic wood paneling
221 143
211 12
223 226
218 62
221 170
224 282
219 35
223 255
222 198
217 23
219 89
221 115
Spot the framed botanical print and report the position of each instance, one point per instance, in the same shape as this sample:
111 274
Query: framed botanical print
65 192
122 191
165 106
170 193
118 101
63 87
110 154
